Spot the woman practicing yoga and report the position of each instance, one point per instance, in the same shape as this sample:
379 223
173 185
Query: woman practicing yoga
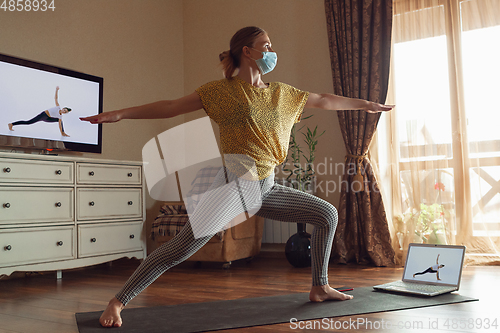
255 120
433 269
52 115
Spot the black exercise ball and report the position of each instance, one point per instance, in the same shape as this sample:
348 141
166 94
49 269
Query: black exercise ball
298 249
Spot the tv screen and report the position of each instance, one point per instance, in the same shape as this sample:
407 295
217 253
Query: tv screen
40 106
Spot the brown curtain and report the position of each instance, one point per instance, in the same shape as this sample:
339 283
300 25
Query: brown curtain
359 33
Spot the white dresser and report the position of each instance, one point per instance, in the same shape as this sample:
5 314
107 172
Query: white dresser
59 213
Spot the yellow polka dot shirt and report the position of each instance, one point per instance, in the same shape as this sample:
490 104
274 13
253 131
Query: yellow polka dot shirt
255 122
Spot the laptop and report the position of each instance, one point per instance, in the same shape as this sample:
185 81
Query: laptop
430 270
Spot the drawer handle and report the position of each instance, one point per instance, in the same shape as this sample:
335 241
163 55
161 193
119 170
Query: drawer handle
6 170
91 203
60 243
6 205
58 172
8 248
91 173
93 240
129 174
130 203
132 236
58 204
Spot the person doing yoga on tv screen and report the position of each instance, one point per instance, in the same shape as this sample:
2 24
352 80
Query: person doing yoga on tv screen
52 115
255 119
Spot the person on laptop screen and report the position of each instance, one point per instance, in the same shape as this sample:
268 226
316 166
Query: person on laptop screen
433 269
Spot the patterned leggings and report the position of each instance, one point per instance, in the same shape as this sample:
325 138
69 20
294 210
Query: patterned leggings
42 116
220 206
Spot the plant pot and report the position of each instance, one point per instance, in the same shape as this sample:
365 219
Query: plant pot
298 249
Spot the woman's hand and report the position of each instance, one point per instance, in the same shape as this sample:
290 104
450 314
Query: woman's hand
106 117
377 107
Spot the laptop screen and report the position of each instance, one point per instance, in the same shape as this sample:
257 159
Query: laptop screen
435 264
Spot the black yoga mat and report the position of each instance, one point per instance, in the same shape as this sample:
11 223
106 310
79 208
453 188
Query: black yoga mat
246 312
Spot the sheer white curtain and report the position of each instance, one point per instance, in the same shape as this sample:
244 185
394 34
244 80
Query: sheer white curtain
443 138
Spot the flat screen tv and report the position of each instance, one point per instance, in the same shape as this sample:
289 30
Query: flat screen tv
34 99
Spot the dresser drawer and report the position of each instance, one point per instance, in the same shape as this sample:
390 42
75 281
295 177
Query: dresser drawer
101 203
107 238
36 205
108 174
33 245
31 171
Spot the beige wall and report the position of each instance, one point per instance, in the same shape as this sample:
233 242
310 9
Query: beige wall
156 49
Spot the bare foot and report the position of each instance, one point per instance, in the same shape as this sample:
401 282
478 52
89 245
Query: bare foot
111 316
10 127
327 293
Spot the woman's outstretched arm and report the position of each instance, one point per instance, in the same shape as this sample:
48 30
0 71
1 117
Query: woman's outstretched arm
61 128
55 97
335 102
156 110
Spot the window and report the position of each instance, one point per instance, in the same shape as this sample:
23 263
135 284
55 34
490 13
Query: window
445 74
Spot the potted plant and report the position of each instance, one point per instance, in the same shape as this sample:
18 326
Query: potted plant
423 225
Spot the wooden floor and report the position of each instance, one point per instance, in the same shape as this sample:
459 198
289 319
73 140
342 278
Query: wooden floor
40 303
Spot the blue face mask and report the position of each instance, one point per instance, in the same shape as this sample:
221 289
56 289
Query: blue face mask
267 62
